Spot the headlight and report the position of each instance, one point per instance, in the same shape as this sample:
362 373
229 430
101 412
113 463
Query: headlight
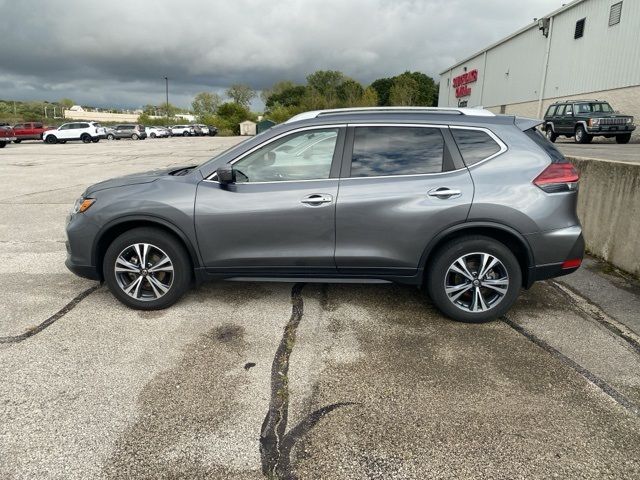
82 205
593 122
629 119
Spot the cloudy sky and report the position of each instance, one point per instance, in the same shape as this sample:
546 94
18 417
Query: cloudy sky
115 52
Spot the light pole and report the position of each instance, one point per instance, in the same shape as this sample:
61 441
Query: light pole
166 82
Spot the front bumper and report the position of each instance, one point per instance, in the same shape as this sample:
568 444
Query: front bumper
611 129
8 139
81 233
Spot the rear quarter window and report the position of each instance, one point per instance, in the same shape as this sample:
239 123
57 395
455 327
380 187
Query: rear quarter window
537 136
551 111
474 145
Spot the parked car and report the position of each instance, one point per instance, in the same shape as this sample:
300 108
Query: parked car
157 132
184 130
203 129
584 119
29 131
470 205
132 131
86 131
213 131
6 135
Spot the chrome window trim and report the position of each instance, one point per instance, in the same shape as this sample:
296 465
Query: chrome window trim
501 144
277 137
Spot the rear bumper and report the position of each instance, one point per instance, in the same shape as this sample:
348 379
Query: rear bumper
557 269
8 139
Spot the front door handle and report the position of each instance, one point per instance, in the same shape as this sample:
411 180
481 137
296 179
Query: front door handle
444 193
317 199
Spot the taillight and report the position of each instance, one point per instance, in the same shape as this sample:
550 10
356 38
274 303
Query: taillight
558 177
573 263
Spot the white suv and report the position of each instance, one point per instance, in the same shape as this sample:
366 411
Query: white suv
86 131
184 130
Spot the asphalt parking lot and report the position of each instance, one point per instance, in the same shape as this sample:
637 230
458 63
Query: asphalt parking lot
602 149
247 380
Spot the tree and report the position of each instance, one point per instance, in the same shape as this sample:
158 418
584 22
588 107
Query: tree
326 83
289 97
382 86
149 109
67 103
229 116
166 109
404 91
241 94
369 98
205 103
276 89
349 93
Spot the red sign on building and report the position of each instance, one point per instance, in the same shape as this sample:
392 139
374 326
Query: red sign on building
460 83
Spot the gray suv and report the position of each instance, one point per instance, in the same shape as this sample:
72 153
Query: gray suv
470 205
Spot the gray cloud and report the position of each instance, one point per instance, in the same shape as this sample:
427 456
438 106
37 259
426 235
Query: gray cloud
117 53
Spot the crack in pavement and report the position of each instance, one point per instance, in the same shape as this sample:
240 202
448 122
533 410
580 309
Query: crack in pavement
52 319
587 374
275 442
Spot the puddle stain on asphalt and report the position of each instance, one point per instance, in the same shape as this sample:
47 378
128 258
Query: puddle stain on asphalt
52 319
179 408
276 443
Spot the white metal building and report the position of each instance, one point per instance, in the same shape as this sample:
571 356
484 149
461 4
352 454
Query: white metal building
586 49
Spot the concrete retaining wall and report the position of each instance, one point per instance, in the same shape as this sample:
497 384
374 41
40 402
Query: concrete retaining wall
609 209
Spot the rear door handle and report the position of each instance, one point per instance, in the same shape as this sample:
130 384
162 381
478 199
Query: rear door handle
317 199
444 193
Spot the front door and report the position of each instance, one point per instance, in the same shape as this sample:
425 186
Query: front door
395 196
278 217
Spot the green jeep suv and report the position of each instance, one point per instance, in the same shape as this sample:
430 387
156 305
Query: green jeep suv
584 119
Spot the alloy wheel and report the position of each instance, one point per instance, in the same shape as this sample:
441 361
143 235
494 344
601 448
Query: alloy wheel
144 272
476 282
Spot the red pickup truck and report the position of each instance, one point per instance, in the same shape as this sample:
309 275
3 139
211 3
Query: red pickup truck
29 131
6 135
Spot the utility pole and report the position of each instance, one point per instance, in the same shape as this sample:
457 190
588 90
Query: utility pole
166 82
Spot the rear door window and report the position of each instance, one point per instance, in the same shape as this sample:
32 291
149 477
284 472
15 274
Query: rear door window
385 151
474 145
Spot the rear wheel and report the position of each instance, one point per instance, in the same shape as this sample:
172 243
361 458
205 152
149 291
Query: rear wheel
581 135
95 140
17 141
86 138
51 139
153 135
110 137
135 136
147 269
474 279
551 136
185 134
3 144
623 138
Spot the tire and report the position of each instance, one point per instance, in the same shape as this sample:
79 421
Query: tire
622 139
135 137
581 135
17 141
3 144
85 137
110 136
549 133
95 140
185 134
505 273
51 139
153 135
62 141
146 296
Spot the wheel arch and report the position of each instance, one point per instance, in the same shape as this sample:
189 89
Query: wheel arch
504 234
113 229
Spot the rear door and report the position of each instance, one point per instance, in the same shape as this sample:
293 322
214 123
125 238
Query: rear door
400 185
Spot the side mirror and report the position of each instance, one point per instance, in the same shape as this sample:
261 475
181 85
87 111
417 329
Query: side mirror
226 174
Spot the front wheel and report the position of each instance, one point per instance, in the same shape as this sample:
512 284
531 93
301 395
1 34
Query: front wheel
623 138
3 144
474 279
86 138
185 134
51 139
147 269
581 135
135 136
110 137
153 135
550 134
95 140
17 141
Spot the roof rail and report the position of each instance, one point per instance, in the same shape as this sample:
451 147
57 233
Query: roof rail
481 112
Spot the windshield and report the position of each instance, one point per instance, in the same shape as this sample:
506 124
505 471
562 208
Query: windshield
594 107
